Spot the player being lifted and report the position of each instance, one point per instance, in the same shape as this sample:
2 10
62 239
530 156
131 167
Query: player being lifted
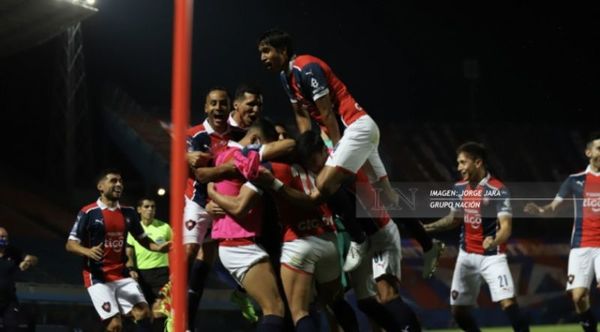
482 209
584 258
316 92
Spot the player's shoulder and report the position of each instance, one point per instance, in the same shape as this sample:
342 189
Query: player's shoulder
495 184
196 130
304 60
578 175
90 207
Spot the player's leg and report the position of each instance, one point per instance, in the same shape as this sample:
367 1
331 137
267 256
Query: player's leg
466 283
196 224
132 303
579 280
495 272
249 265
106 305
387 273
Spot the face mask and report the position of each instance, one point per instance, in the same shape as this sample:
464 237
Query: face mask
3 243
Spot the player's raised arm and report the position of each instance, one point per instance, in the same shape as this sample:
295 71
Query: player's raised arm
276 149
447 222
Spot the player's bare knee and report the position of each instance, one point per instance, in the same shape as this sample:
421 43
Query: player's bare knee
140 311
580 298
507 303
114 324
386 288
191 250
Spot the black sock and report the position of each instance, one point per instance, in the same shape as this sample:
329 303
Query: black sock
344 205
379 314
465 321
345 315
306 324
517 320
405 316
588 321
418 232
143 325
270 323
198 274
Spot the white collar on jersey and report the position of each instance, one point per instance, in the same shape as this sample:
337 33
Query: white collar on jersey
231 121
104 206
234 144
589 170
291 63
210 130
485 180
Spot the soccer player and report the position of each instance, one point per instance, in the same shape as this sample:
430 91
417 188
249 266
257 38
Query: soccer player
204 141
482 208
315 92
11 261
376 280
237 231
584 258
99 235
247 107
150 269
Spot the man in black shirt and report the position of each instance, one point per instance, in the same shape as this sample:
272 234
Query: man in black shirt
11 260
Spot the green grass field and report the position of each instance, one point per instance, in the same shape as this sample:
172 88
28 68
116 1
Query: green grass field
537 328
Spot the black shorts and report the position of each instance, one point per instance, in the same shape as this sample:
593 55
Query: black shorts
152 280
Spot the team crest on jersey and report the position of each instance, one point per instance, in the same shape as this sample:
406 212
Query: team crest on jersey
106 306
190 224
570 279
454 294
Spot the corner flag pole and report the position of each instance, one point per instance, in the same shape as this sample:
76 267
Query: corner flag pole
180 113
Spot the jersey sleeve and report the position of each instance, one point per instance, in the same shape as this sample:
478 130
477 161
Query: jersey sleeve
456 200
199 142
314 80
80 227
134 226
130 240
503 206
565 189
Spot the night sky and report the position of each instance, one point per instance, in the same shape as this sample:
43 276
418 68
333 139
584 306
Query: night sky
402 62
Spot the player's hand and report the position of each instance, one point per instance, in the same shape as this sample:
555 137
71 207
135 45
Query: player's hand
488 243
163 247
134 274
214 210
427 227
96 252
199 158
533 209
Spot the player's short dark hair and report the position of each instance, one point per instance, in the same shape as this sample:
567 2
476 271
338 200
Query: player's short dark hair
140 201
309 143
266 127
246 88
591 138
103 173
278 39
474 150
217 88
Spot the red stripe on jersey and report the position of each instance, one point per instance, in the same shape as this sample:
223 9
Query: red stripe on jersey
473 221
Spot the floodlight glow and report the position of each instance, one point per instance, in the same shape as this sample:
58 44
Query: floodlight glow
90 2
161 192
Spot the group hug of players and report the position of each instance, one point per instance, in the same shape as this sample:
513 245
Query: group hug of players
249 178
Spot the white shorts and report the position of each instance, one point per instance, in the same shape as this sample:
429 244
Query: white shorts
584 264
383 257
116 297
358 144
238 260
196 221
468 273
316 255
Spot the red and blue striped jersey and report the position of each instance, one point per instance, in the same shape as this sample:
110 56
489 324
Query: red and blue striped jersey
96 223
584 188
310 78
480 206
203 138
